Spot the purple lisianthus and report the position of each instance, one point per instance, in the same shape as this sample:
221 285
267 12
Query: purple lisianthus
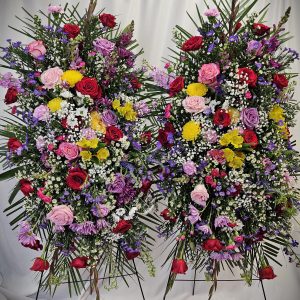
254 47
222 221
250 117
194 216
109 117
105 47
189 168
118 185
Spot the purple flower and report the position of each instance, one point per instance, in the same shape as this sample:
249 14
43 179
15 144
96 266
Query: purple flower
101 224
205 229
189 168
219 256
222 221
250 117
194 216
161 78
105 47
118 184
109 117
27 238
85 228
141 108
254 47
100 210
233 39
128 193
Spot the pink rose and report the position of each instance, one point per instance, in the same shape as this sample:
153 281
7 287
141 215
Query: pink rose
36 49
68 150
199 195
51 77
189 168
194 104
42 113
211 136
42 196
61 215
208 74
212 12
55 9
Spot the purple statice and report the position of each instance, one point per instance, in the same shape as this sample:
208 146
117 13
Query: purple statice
211 47
262 81
217 25
271 146
221 221
274 64
27 238
125 39
269 166
294 243
162 78
128 193
85 228
194 216
141 108
293 52
124 53
100 210
210 33
272 44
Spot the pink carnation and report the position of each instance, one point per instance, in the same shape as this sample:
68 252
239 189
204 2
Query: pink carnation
194 104
42 113
208 74
68 150
211 136
61 215
189 168
42 196
212 12
51 77
36 49
55 9
199 195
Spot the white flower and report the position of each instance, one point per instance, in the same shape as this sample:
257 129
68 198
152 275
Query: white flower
120 212
72 121
66 94
81 111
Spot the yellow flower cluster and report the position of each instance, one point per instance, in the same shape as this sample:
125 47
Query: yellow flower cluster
234 115
196 89
97 123
234 159
102 154
55 104
92 143
276 113
232 137
191 131
125 111
71 77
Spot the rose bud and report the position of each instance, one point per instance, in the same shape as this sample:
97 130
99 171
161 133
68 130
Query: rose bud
122 227
11 95
26 187
166 215
79 262
212 245
179 266
146 185
76 179
40 265
266 273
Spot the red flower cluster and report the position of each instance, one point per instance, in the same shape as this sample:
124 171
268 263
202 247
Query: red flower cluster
163 135
72 30
89 86
11 95
166 215
179 266
260 29
192 44
40 265
266 273
212 245
280 80
176 86
13 144
122 227
221 118
107 20
79 262
250 74
250 137
76 179
113 133
26 187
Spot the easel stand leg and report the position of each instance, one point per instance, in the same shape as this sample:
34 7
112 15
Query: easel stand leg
194 281
40 285
263 288
139 281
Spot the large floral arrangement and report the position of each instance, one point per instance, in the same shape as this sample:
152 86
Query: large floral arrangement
76 141
228 162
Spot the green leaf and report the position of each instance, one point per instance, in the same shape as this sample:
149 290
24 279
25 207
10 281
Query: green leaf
9 174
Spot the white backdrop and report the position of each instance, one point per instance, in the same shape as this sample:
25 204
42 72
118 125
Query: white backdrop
154 21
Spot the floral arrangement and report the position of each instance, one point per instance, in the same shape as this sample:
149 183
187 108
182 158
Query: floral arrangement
228 162
77 142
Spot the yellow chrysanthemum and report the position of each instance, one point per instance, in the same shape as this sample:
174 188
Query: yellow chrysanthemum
86 155
234 115
97 123
191 131
84 143
196 89
103 154
71 77
228 154
55 104
276 113
232 137
116 104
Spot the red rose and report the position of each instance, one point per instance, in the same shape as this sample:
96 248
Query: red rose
79 262
122 227
89 86
11 95
113 133
76 179
107 20
146 185
71 30
146 137
36 246
250 74
179 266
40 265
260 29
25 187
250 137
13 144
166 215
266 273
212 245
192 44
176 86
222 118
135 83
280 80
132 255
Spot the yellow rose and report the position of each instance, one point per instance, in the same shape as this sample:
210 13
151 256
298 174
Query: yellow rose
55 104
196 89
71 77
191 131
103 154
86 155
